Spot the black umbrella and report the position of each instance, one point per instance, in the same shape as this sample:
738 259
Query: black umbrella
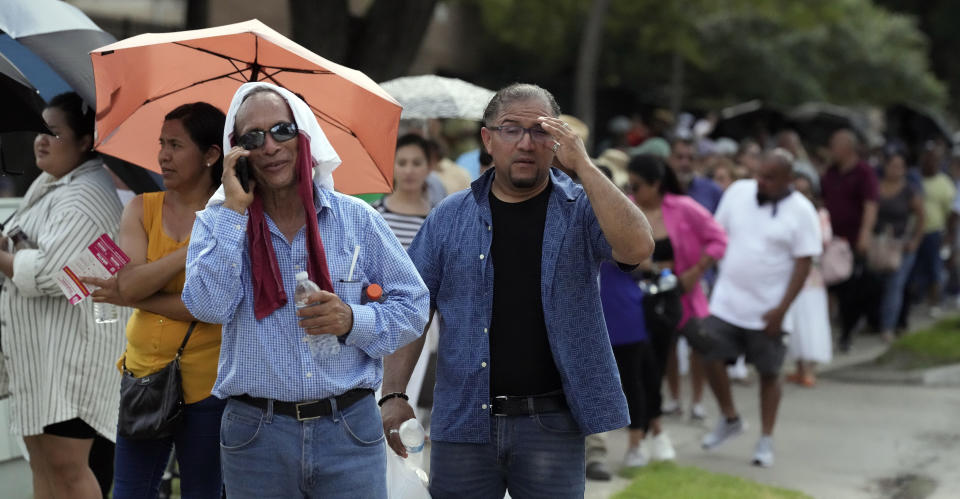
748 119
915 125
63 36
21 102
816 122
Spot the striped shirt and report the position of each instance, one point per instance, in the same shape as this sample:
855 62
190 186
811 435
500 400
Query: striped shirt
405 227
267 358
59 360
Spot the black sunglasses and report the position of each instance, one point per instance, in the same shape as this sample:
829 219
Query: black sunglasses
281 132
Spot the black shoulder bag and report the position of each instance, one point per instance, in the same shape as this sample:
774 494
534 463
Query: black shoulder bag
152 406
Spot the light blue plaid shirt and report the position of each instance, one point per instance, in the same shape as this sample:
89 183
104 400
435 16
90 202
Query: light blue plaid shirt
452 253
268 358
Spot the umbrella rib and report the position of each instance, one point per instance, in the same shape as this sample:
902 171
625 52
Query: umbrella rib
331 120
158 97
249 64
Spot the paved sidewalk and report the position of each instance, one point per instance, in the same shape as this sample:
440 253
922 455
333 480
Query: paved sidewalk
834 440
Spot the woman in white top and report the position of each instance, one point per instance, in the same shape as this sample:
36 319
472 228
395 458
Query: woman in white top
408 205
62 381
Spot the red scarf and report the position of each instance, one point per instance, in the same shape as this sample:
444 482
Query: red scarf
268 293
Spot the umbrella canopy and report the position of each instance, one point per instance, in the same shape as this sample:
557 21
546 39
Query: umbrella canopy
56 37
140 79
21 103
816 121
431 96
58 33
748 119
915 125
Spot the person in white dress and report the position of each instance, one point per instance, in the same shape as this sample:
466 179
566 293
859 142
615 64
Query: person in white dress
809 318
60 361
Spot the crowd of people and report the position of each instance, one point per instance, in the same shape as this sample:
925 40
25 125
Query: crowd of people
566 290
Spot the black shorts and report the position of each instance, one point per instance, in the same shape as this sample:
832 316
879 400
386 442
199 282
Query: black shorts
727 342
71 428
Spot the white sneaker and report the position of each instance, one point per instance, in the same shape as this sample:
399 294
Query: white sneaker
722 432
697 413
635 458
671 408
763 452
661 448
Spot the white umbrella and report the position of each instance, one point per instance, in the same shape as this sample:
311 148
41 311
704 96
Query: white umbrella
431 96
60 34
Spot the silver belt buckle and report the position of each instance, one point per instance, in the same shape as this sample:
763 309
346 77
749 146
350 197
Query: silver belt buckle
501 397
301 418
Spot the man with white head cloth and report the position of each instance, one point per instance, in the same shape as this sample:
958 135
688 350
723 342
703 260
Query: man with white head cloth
297 424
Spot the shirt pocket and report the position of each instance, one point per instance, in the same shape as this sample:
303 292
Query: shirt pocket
349 291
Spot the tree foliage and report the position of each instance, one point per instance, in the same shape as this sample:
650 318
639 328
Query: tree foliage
781 51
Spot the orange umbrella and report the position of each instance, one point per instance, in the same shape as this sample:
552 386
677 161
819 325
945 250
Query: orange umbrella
140 79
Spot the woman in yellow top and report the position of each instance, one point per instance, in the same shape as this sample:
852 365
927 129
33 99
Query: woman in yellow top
155 232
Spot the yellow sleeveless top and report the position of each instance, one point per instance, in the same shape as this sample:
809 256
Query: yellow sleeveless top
152 339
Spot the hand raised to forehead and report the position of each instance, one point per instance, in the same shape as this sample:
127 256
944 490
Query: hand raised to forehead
567 146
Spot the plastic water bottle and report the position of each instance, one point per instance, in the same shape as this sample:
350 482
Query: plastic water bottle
105 313
667 281
321 345
412 435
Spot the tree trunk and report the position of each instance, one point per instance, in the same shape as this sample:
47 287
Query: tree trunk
587 62
323 26
676 85
197 14
390 37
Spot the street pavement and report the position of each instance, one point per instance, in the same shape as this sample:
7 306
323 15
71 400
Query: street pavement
836 440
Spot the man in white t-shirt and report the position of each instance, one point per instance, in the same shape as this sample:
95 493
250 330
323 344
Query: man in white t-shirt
774 233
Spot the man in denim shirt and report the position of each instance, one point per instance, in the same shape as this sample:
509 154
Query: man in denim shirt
297 423
525 369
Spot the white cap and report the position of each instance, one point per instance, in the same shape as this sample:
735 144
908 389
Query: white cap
302 276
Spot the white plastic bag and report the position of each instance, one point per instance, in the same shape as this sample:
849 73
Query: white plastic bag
404 481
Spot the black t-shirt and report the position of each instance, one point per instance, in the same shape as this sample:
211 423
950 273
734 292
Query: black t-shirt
521 362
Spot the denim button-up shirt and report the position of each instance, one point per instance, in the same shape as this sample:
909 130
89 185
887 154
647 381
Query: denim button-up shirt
451 252
267 358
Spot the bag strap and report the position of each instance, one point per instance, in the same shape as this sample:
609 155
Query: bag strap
185 338
179 351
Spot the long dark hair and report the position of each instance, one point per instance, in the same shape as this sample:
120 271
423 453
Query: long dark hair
654 169
204 123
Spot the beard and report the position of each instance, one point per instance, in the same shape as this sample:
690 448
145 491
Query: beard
528 182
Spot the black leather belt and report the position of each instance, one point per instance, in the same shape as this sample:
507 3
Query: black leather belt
312 409
526 406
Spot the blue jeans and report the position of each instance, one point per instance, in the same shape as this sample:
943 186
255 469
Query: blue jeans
532 456
893 287
139 464
272 455
928 267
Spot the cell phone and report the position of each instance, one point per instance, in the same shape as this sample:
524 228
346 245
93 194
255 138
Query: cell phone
243 173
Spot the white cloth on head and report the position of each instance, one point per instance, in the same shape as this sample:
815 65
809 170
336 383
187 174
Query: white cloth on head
325 158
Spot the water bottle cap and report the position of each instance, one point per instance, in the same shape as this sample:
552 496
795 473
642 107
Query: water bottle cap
302 276
374 292
665 272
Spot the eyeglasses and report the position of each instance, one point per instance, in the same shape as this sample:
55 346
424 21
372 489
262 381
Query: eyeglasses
281 132
514 134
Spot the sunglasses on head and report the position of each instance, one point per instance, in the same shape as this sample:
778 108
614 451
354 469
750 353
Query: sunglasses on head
281 132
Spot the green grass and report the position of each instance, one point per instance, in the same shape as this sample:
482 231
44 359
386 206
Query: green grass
936 345
681 482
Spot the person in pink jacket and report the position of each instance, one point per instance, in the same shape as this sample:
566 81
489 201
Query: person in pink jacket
688 241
